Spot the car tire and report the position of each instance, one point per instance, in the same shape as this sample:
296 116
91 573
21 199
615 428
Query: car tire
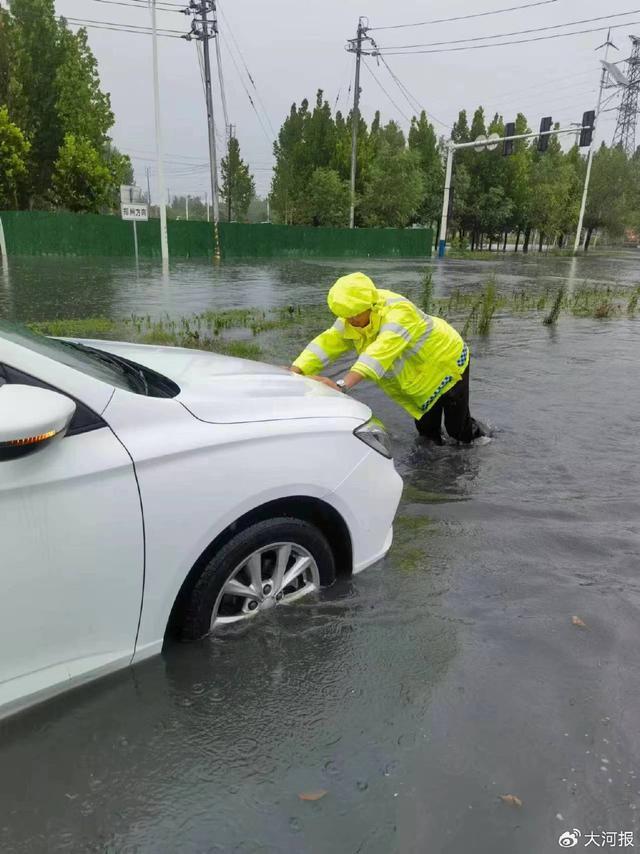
235 568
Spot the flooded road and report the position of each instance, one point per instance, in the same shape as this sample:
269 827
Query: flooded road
419 692
65 288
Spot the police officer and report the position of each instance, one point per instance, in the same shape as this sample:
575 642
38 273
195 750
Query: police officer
418 360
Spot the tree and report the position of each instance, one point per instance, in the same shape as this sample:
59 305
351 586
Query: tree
238 187
460 129
392 135
82 108
81 180
258 210
5 38
518 179
327 199
554 191
120 169
319 134
423 140
52 90
288 174
394 190
609 191
34 57
14 150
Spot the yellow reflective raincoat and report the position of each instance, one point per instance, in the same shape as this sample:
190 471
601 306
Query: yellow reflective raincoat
414 357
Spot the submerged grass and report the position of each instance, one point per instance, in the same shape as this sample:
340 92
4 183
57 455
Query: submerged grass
487 307
278 335
552 317
427 292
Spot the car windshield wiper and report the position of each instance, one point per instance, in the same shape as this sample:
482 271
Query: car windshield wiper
131 372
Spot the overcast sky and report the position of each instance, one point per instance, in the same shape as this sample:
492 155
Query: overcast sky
293 47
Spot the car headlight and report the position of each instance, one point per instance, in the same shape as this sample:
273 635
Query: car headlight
373 433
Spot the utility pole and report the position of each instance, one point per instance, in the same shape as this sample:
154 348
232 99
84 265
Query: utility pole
206 201
442 241
355 46
202 29
164 240
585 192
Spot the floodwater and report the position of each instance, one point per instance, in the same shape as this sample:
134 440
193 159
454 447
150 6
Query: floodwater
419 692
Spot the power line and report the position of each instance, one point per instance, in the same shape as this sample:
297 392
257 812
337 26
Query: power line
542 88
375 77
516 32
251 101
410 98
345 78
504 44
162 7
467 17
127 28
145 4
246 68
119 29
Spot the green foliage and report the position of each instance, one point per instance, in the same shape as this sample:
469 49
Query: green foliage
14 150
609 193
35 55
423 141
82 108
487 307
427 292
5 37
81 180
327 199
50 85
552 317
120 169
396 183
394 190
633 303
238 187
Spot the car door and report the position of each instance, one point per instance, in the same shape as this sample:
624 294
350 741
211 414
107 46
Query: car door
71 558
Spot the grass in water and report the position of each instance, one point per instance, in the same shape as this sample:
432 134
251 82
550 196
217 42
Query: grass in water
427 292
552 317
487 307
275 335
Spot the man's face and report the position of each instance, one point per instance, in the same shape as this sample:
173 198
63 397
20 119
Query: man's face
360 320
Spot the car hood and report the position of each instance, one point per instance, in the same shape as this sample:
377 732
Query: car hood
226 390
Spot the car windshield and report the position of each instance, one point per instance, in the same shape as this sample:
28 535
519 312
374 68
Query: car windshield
98 364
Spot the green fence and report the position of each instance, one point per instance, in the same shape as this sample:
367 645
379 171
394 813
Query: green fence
49 233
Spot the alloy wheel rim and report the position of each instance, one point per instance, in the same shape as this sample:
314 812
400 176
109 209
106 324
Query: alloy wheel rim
277 574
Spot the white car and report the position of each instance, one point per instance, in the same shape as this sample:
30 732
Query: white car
149 492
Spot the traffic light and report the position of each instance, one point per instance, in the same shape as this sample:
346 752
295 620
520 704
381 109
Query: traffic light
545 127
509 130
588 122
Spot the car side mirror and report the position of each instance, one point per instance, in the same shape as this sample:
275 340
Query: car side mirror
31 418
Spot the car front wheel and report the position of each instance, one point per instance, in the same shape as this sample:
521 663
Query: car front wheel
271 563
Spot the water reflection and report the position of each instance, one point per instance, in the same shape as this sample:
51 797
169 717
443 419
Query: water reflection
47 288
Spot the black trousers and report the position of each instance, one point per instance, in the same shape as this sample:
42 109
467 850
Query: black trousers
454 404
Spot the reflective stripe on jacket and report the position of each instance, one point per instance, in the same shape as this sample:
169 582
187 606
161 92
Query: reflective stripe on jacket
414 357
